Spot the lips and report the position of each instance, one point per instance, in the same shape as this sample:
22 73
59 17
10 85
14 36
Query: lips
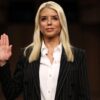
49 29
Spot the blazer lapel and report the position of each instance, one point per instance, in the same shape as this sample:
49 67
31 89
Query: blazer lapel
64 68
35 73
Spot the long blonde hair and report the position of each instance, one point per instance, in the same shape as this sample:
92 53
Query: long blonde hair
37 38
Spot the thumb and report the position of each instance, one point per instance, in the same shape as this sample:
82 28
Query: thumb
10 47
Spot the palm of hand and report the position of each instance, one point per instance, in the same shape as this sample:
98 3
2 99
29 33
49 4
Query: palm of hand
5 52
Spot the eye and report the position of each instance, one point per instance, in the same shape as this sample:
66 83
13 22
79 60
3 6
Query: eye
55 18
43 18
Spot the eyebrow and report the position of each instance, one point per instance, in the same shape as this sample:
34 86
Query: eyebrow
51 16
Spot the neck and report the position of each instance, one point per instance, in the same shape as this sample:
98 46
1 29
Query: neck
51 43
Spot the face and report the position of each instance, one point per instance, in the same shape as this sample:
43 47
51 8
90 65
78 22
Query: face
49 23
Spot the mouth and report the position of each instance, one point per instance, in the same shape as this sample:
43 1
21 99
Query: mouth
49 29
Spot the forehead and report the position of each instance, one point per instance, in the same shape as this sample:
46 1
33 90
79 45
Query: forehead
48 11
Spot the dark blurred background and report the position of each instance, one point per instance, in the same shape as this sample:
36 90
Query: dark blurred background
17 20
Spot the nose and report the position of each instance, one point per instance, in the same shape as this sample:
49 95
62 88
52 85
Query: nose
49 21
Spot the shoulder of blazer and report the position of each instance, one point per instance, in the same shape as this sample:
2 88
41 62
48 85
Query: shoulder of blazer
78 53
23 58
28 51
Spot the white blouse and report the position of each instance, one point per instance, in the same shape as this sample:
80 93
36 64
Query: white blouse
48 72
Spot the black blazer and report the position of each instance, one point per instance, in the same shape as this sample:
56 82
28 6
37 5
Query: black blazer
72 81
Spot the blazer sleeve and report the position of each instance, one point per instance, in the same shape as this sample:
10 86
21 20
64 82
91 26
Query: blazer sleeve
12 86
84 93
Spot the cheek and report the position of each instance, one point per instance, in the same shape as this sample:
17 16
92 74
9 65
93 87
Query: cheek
42 29
42 26
58 27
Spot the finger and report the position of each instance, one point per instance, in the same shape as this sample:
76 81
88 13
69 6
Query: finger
10 50
0 42
1 39
6 40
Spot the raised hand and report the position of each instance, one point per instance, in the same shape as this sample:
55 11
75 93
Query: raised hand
5 49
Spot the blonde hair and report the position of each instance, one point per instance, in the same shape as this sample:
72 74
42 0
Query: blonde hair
37 38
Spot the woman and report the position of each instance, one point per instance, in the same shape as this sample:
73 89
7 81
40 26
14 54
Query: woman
50 68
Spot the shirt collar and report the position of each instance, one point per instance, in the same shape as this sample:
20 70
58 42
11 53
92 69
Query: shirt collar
44 49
